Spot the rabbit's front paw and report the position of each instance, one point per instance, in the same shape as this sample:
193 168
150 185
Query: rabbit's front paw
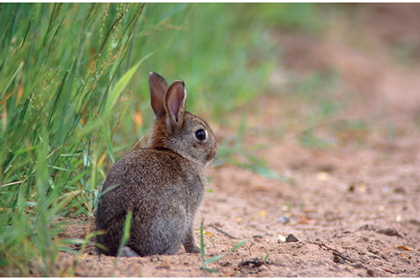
192 249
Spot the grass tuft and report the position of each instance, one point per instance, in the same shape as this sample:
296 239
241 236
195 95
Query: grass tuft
204 262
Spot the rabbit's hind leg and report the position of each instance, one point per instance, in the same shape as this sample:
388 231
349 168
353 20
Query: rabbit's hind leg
162 236
169 234
189 241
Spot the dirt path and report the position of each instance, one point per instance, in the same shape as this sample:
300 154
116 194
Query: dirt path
354 207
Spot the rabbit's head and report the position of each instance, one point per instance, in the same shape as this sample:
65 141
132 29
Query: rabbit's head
175 129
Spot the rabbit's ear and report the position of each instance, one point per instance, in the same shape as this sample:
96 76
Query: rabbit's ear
158 88
175 103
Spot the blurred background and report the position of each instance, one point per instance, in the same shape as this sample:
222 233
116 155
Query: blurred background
74 93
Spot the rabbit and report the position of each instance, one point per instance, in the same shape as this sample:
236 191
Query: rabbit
162 184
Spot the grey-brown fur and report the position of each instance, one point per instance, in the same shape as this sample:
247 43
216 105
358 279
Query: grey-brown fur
162 184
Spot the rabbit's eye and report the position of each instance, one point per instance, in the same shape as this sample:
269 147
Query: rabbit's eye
200 134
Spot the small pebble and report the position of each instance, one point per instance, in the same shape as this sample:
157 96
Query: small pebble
284 219
291 238
370 272
389 232
357 265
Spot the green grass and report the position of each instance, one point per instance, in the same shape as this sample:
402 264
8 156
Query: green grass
204 262
74 97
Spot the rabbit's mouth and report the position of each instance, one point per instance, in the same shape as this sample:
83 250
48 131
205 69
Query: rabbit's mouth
210 157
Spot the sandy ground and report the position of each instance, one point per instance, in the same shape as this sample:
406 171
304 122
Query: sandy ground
354 207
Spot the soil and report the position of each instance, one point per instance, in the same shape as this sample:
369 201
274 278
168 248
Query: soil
352 207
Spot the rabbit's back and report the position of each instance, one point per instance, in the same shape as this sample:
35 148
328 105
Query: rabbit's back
162 192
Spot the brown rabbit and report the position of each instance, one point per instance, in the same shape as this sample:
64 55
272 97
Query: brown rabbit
162 184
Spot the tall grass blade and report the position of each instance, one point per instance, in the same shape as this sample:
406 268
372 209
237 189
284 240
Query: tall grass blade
18 70
202 248
107 139
121 84
125 235
212 260
238 245
43 237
